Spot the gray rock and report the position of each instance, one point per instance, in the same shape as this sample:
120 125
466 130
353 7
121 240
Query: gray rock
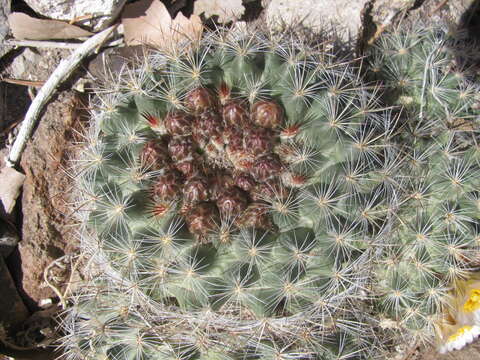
4 12
344 15
383 11
21 66
102 12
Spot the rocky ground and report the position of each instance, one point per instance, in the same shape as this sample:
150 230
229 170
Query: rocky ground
43 219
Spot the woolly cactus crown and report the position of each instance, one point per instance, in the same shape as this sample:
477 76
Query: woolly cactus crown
247 198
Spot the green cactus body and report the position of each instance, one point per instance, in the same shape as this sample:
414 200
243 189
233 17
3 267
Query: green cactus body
251 198
435 243
232 206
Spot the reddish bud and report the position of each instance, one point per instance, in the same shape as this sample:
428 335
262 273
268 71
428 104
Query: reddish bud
166 186
181 148
258 141
188 168
196 190
218 142
290 132
266 168
234 114
219 183
153 121
208 124
244 181
267 114
233 136
159 208
224 93
255 216
178 124
269 190
200 100
293 180
202 219
154 155
232 201
241 160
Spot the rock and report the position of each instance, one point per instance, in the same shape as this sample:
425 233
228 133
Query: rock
12 181
48 230
21 66
344 15
102 12
383 11
4 12
38 329
13 311
113 60
36 64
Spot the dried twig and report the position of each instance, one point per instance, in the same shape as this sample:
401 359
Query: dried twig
63 71
73 269
53 44
24 82
55 289
81 18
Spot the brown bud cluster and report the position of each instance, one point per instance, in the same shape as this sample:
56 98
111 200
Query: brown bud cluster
218 159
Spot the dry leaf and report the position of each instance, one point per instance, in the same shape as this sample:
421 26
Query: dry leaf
11 182
226 10
25 27
149 22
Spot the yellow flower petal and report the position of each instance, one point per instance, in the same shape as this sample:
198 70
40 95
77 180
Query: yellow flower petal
473 301
460 333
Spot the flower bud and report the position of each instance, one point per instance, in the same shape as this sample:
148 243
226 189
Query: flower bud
234 114
178 124
167 186
232 201
202 219
154 155
199 100
181 148
196 190
266 168
267 114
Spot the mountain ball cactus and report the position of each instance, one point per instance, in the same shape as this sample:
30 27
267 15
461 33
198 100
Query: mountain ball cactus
248 196
435 247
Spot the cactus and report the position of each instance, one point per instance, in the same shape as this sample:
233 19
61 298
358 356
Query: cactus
436 243
248 196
